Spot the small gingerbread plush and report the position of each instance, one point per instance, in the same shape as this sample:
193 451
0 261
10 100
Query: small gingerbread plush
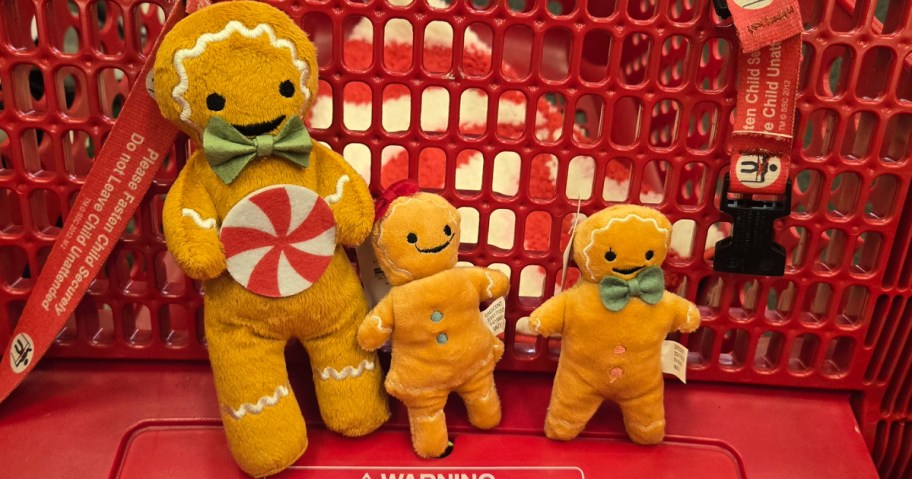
612 324
440 342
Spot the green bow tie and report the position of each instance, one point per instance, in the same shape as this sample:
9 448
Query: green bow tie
649 286
228 151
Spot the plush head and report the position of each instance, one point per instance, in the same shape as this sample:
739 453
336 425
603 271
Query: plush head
245 62
621 241
417 236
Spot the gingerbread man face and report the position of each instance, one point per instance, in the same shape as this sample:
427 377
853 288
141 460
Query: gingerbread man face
417 237
253 74
621 241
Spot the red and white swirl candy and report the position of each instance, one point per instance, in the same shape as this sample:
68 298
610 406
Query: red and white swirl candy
279 240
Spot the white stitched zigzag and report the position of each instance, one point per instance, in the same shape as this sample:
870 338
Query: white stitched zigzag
199 48
611 223
264 401
207 224
340 185
347 371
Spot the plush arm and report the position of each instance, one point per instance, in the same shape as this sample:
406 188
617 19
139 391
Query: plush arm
191 228
489 283
548 319
347 194
686 316
377 326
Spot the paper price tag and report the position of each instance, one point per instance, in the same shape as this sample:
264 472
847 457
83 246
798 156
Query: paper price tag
674 360
376 287
494 316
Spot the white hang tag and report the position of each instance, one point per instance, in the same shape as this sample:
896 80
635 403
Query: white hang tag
494 316
376 287
674 359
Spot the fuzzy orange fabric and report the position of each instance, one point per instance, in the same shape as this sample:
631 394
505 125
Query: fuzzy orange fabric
249 64
439 339
606 354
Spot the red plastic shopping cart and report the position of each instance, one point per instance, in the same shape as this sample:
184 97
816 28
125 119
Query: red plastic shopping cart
519 112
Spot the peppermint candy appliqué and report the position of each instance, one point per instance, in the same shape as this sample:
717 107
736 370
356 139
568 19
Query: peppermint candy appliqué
279 240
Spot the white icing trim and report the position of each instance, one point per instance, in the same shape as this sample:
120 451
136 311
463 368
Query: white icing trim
528 326
261 404
563 422
206 224
432 417
347 371
649 427
490 285
380 327
535 325
205 39
611 223
690 319
340 186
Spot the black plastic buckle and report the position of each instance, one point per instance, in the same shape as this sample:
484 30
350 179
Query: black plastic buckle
722 10
751 249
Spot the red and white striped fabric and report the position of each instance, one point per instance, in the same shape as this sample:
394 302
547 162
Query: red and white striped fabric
279 240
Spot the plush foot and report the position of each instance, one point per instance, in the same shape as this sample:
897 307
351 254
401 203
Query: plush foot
646 434
482 403
429 433
348 382
644 418
562 429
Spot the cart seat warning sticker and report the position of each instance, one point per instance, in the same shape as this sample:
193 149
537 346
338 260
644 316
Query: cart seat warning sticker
475 472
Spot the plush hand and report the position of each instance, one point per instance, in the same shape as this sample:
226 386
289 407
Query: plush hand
374 331
692 322
203 255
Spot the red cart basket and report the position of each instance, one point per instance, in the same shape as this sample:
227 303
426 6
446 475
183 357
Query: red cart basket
518 112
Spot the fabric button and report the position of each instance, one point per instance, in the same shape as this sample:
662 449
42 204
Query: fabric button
437 316
620 350
442 338
616 374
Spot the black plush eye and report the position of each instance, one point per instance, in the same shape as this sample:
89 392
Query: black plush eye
649 255
287 89
412 238
447 231
610 256
215 102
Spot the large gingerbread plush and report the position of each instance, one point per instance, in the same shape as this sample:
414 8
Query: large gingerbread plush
260 213
440 342
612 324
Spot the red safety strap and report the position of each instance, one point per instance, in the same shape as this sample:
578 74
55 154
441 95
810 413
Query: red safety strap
763 133
768 67
120 177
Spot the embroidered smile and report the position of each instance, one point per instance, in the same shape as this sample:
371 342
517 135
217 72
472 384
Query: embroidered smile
436 249
628 270
258 129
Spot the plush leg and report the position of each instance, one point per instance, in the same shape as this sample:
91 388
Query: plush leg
573 403
348 384
428 424
265 429
481 400
644 418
